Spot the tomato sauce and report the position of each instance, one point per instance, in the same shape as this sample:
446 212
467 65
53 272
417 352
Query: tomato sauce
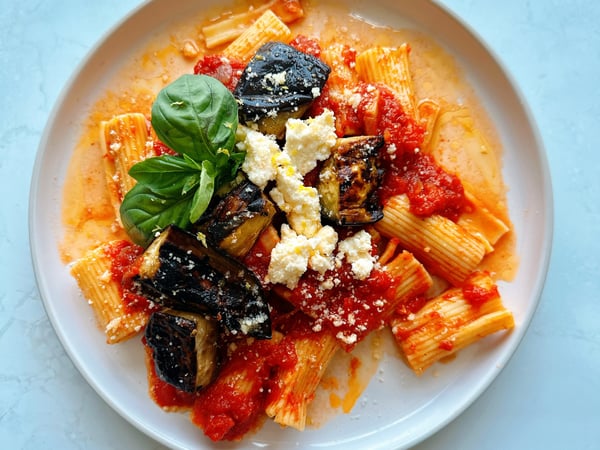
447 345
257 260
411 306
430 189
125 263
227 70
234 404
477 295
339 302
160 148
382 114
352 309
306 45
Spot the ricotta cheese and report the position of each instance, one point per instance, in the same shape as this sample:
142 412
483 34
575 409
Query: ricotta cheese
261 153
295 253
309 141
357 251
289 258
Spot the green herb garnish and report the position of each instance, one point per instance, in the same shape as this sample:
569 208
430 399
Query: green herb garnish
197 117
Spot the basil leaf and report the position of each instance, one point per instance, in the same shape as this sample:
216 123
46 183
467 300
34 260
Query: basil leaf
204 192
144 212
227 164
166 174
196 115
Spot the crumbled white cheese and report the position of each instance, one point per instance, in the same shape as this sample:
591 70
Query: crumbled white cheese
323 244
113 324
300 203
347 339
305 242
295 253
248 324
357 251
309 141
289 258
275 79
261 152
353 97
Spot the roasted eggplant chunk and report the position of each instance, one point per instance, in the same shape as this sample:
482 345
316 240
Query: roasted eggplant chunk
184 348
278 83
178 271
349 180
238 219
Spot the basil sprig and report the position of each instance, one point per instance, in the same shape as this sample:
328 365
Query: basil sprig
197 117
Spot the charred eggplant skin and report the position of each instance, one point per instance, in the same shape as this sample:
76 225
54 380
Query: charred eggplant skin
279 79
184 348
179 271
349 180
237 220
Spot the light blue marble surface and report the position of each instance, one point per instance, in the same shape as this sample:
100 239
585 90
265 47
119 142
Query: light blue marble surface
547 397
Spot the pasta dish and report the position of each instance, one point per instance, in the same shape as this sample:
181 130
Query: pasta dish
291 182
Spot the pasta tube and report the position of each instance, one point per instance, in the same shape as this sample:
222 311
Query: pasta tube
451 321
267 28
229 28
340 84
298 384
124 140
104 294
444 247
390 66
479 220
415 280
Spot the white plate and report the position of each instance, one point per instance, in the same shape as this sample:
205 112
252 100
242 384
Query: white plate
397 412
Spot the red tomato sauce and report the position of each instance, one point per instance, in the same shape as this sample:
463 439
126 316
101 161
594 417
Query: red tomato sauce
125 265
352 309
382 114
161 148
430 189
234 403
306 45
411 306
227 70
257 260
447 345
477 295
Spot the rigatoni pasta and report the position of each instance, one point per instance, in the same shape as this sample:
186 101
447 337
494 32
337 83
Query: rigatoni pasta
104 293
268 27
451 321
289 407
125 140
390 66
446 248
228 29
